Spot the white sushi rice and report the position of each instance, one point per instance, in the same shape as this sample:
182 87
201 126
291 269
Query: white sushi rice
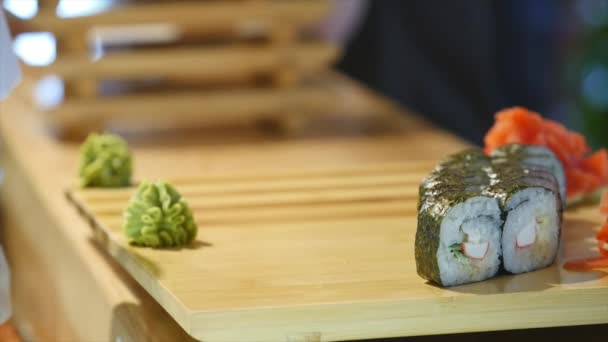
532 206
475 220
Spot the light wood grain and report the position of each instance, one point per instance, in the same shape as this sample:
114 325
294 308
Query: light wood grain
335 260
210 196
202 63
196 108
50 281
55 265
206 16
57 268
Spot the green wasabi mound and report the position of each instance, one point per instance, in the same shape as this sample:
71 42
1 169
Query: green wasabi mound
158 216
105 161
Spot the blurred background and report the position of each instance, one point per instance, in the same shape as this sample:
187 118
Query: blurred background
459 62
456 63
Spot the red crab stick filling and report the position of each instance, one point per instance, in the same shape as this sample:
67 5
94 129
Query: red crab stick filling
475 250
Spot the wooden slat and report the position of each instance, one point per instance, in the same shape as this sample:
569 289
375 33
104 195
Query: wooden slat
202 63
211 16
320 187
202 201
288 195
385 189
381 173
48 4
195 107
397 173
325 212
281 186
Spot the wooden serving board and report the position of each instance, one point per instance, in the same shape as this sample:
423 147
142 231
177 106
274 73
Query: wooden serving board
328 254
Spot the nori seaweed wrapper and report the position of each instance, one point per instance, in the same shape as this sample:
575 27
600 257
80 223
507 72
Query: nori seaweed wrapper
509 176
528 156
513 176
519 152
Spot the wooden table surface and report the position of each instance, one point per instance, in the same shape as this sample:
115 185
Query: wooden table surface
65 288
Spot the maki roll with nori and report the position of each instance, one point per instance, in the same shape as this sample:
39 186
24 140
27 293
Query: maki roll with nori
475 210
458 239
530 201
535 156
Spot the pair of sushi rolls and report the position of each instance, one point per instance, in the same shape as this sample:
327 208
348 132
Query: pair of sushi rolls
458 239
476 211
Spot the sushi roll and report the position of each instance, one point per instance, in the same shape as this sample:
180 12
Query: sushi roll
532 211
476 211
535 155
458 238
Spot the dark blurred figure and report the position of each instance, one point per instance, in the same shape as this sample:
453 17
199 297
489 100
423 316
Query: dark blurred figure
458 62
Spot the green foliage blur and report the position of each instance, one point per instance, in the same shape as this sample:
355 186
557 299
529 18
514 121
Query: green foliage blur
589 71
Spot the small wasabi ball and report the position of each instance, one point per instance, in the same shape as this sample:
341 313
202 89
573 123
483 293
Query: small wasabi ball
105 161
158 216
